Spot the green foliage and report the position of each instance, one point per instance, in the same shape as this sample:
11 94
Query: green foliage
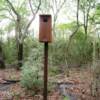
32 70
80 49
67 26
54 70
30 78
29 43
66 98
85 4
57 52
97 14
9 50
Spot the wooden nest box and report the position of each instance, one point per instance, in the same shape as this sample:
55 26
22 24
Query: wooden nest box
45 28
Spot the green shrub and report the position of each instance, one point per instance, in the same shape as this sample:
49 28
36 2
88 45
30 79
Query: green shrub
57 52
54 70
80 51
31 76
9 50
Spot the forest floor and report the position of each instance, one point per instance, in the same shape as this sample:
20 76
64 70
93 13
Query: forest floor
75 87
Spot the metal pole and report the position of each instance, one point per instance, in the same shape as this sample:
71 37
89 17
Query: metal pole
45 70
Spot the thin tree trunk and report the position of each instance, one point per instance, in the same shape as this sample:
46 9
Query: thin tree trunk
98 51
70 40
2 63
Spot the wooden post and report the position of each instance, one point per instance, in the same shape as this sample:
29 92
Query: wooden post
45 91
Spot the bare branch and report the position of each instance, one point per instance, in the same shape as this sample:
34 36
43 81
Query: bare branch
31 6
11 15
34 14
58 10
6 9
12 7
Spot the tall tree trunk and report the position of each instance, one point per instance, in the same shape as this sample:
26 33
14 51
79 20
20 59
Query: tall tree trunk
96 72
19 42
2 63
93 69
20 55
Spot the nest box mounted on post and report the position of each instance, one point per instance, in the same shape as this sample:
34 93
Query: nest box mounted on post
45 28
45 36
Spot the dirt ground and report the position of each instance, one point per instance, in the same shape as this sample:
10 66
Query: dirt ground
75 87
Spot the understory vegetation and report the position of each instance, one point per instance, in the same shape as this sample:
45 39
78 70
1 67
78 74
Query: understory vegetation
75 40
80 51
